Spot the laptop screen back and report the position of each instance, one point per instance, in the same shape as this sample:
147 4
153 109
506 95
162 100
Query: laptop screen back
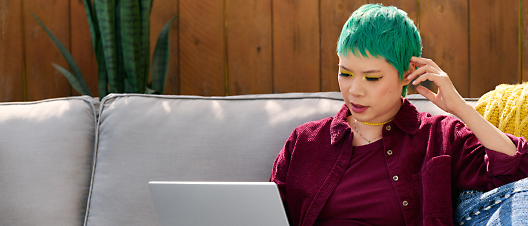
218 203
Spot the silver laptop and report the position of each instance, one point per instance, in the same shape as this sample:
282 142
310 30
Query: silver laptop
218 203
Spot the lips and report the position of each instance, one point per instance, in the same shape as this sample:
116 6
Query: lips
356 108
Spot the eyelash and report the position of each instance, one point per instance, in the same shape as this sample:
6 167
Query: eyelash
371 79
345 74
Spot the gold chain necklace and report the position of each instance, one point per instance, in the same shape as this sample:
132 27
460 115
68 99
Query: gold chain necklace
377 123
369 141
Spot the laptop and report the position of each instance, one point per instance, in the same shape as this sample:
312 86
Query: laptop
218 203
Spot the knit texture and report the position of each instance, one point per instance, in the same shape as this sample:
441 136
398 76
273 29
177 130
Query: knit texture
506 108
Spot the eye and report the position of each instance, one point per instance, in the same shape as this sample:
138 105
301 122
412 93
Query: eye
345 74
372 79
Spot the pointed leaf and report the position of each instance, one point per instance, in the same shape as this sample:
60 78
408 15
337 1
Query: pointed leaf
160 59
144 54
67 56
77 84
120 76
105 11
92 21
131 42
102 77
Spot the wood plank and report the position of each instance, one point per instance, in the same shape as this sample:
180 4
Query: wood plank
296 46
42 79
81 46
445 37
11 51
494 45
524 48
162 12
249 47
202 47
334 14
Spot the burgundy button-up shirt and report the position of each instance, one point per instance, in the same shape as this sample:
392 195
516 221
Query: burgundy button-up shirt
432 156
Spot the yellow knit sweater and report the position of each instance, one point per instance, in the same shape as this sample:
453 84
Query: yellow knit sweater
506 108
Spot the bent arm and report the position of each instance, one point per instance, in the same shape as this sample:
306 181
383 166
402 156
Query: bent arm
491 137
448 99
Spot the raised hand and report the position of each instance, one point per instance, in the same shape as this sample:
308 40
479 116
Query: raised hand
447 97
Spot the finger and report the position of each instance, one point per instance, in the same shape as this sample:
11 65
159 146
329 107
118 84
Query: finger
424 73
420 71
430 95
424 61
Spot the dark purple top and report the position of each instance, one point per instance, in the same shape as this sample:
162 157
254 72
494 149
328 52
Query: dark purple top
373 200
433 156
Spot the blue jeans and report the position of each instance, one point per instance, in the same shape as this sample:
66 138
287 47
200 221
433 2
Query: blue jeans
505 205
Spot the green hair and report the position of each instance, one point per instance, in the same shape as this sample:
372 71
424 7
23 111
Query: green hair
384 31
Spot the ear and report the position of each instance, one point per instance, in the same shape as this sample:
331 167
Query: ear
411 69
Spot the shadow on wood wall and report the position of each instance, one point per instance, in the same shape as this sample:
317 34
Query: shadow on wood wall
234 47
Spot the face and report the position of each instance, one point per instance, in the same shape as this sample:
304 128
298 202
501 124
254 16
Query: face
370 87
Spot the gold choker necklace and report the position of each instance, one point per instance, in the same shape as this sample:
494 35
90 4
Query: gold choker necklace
377 123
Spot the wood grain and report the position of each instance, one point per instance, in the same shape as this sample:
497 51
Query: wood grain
81 46
249 47
493 45
11 51
334 14
202 47
296 46
43 81
162 12
444 29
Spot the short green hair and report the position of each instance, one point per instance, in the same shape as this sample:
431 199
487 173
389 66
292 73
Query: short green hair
384 31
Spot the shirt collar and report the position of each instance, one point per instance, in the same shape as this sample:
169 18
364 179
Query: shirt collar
406 119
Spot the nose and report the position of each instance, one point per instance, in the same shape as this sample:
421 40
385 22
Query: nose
356 87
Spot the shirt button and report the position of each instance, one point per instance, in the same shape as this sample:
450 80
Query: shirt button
395 178
388 128
405 203
389 152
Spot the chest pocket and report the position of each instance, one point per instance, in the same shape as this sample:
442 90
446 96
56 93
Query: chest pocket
436 184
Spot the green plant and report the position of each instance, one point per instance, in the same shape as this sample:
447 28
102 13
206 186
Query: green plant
120 36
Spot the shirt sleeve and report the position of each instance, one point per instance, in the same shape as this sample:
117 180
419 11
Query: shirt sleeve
280 169
479 168
502 165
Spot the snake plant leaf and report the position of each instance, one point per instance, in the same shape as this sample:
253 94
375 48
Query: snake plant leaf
92 21
131 43
69 59
120 70
102 77
144 54
105 11
76 83
160 59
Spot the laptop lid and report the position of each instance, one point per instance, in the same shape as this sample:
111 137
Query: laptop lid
218 203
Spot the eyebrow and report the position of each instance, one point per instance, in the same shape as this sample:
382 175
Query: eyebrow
364 72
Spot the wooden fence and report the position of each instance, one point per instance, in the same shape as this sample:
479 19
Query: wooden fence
232 47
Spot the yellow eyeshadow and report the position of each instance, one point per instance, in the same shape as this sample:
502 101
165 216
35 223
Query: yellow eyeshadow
343 71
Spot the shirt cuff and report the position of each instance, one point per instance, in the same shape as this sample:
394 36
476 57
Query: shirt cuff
502 164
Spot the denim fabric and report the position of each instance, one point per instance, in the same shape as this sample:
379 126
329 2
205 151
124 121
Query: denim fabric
505 205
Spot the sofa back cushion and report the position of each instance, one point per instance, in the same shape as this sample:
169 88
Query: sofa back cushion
143 138
46 158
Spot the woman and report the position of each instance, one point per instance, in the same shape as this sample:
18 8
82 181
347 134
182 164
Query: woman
379 161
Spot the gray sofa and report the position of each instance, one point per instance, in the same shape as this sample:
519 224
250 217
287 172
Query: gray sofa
78 161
